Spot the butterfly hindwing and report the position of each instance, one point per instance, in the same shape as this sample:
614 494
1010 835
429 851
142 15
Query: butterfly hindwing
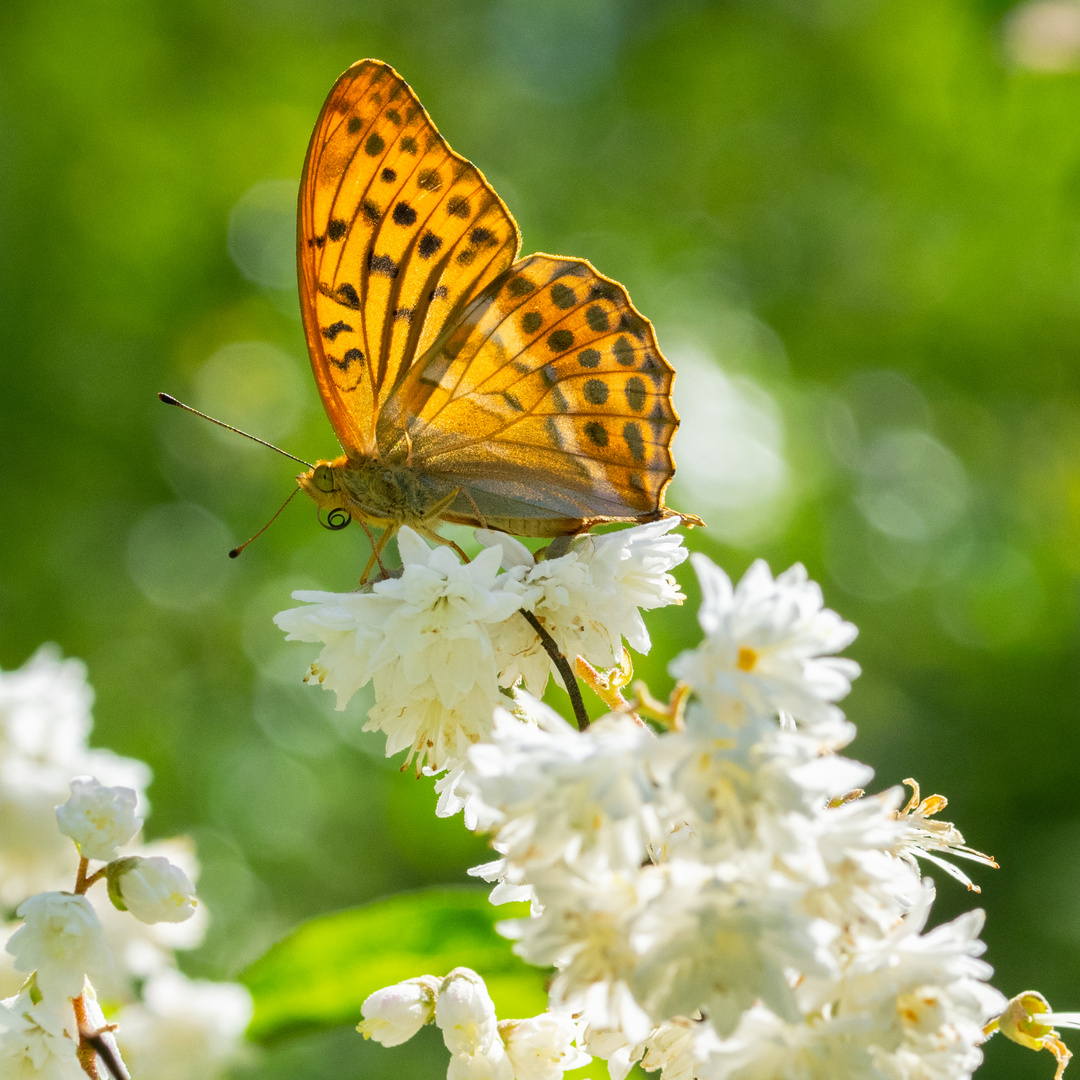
548 402
397 234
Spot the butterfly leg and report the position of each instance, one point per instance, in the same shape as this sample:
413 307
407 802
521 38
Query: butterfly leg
479 515
376 550
431 534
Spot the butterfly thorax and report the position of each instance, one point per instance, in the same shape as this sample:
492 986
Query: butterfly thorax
373 491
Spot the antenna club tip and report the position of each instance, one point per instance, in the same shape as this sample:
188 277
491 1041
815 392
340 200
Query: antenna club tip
235 552
168 399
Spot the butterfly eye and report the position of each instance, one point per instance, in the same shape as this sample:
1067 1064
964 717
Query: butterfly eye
324 478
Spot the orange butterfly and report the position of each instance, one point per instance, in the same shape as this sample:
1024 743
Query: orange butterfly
526 396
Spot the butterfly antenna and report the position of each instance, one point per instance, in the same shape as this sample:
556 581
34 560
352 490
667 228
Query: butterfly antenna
236 550
170 400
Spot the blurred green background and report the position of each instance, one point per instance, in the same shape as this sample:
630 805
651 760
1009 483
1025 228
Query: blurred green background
856 226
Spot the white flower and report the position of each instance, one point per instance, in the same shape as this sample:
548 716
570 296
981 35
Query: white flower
921 836
61 939
542 1047
144 950
465 1013
715 940
554 793
396 1013
490 1064
45 708
591 598
424 639
99 819
765 1047
678 1047
37 1042
766 646
153 890
44 723
184 1028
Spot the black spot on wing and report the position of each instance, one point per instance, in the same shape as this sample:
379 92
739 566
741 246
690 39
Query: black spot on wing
634 442
355 124
632 323
457 206
429 244
344 294
650 367
389 176
336 229
597 318
563 296
553 433
408 145
596 433
589 358
659 420
374 145
596 391
635 393
353 355
381 264
604 290
623 351
404 214
531 321
560 340
520 286
371 211
332 331
429 179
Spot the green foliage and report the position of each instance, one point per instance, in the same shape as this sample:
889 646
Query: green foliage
320 974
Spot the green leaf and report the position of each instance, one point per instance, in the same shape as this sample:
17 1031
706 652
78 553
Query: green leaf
320 974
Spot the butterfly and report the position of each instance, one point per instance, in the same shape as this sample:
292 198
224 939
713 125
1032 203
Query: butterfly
464 384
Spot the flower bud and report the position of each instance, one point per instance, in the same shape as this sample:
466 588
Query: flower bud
154 890
396 1013
99 819
466 1013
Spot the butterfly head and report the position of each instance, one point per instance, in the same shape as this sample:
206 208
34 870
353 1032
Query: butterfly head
322 484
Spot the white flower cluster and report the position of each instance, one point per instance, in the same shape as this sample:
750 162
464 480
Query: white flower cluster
481 1046
59 938
445 642
719 900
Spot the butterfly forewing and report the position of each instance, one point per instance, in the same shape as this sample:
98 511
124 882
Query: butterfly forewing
549 402
397 234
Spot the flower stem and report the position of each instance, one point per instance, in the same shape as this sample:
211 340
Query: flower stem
93 1046
563 665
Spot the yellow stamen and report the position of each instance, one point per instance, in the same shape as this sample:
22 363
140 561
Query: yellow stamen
747 659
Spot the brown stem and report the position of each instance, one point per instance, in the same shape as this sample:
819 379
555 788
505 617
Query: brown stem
563 665
93 1045
81 883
